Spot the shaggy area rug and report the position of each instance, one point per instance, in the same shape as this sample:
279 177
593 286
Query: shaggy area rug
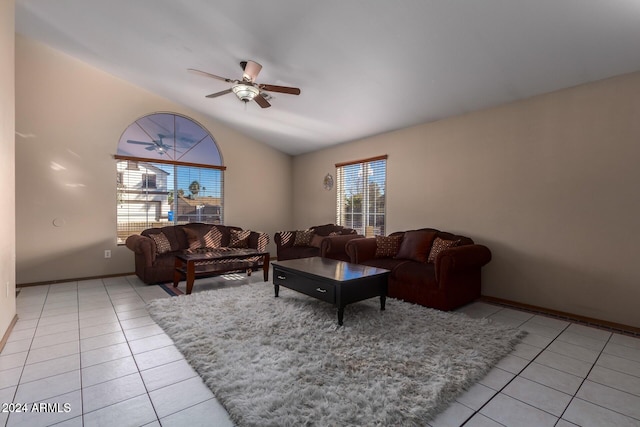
286 362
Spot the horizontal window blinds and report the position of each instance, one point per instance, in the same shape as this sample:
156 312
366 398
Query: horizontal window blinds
152 194
361 193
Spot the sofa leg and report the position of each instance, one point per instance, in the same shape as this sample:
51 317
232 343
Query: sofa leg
249 272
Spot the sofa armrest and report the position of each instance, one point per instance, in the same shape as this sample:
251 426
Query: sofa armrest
460 258
144 246
335 246
284 239
361 249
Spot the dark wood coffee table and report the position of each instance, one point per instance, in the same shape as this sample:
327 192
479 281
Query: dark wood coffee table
218 261
336 282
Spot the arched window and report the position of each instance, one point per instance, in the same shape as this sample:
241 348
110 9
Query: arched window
169 171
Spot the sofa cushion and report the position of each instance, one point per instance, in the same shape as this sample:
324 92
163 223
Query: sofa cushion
316 240
440 245
386 263
213 238
387 246
162 243
193 239
303 238
416 245
239 238
421 275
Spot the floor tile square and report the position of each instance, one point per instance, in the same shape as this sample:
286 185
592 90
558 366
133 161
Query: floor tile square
455 414
53 352
558 380
514 413
137 411
586 414
168 374
204 414
110 392
108 371
100 341
611 398
154 358
150 343
48 368
46 388
179 396
538 395
104 354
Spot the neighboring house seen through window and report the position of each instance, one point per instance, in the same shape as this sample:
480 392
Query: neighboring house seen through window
361 195
169 171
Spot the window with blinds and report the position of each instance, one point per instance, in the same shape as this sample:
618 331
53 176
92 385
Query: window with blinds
169 171
361 193
152 194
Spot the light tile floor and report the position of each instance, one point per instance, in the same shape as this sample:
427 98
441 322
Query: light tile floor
92 345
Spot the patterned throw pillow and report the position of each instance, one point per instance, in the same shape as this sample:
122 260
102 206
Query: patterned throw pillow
239 238
162 243
387 246
192 238
213 238
303 238
440 245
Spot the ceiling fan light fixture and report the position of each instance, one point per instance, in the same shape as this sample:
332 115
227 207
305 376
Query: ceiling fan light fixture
245 92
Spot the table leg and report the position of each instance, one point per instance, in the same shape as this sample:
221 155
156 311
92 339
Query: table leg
191 275
177 276
265 267
340 315
383 300
276 289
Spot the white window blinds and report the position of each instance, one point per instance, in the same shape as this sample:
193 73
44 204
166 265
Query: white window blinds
361 193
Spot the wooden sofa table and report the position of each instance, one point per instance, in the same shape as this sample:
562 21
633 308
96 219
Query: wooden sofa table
214 262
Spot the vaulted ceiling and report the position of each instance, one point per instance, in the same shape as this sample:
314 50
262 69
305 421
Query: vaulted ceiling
364 66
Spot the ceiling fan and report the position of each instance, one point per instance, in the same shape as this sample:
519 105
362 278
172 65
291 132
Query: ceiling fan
157 145
247 89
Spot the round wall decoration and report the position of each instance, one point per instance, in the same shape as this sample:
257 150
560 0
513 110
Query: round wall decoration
328 182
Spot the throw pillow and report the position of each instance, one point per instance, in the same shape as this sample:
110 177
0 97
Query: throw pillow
415 245
440 245
239 239
192 238
316 241
162 243
387 246
213 238
303 238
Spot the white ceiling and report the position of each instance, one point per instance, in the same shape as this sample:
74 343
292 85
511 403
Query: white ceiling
364 66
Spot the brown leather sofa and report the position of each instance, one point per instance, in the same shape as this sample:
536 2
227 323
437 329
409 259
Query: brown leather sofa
155 248
327 241
428 267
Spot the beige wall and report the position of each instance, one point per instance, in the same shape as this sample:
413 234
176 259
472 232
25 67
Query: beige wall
7 166
549 184
72 115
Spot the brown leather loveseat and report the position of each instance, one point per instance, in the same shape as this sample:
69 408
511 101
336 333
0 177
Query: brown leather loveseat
155 248
428 267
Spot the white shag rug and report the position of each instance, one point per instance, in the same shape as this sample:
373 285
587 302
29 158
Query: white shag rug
285 361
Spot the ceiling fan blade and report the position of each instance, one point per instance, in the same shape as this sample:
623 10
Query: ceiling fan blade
130 141
215 95
251 70
281 89
204 73
261 100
